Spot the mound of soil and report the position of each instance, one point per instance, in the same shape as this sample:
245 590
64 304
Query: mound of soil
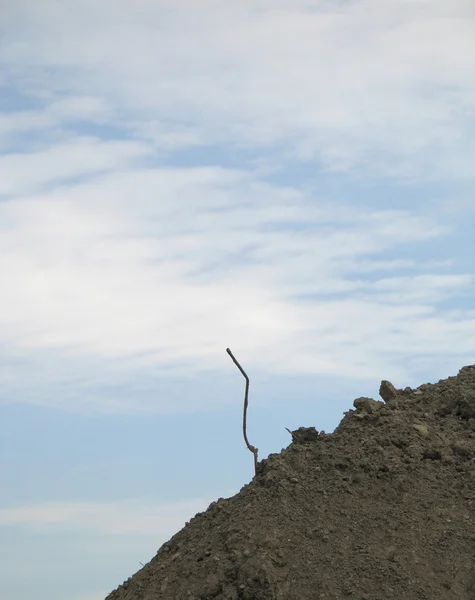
383 508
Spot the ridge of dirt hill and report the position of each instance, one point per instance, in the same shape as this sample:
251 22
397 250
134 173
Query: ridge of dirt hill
382 508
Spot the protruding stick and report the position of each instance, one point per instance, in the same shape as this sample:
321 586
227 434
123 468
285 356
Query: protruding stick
246 401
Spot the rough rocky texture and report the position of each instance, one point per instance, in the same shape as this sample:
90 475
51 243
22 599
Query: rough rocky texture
383 508
387 391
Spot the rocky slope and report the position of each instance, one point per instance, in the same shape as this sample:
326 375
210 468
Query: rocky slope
383 508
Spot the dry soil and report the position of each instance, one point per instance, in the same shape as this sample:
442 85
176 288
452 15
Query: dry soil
383 508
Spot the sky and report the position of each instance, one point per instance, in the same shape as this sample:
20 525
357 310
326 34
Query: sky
292 179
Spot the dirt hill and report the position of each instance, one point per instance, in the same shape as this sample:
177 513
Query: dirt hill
383 508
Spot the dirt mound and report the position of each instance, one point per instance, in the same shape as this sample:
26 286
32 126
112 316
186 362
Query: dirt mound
382 508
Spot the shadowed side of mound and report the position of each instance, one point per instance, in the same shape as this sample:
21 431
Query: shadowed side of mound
384 507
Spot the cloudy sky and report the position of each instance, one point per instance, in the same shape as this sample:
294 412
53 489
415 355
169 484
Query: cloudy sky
293 179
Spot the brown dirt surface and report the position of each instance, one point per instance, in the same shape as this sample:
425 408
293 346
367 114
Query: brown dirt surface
383 508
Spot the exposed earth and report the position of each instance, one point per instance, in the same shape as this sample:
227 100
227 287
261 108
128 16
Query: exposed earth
383 508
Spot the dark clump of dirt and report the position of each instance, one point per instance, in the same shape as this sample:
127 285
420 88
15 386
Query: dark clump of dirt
383 508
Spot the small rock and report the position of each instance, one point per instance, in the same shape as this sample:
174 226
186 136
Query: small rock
303 435
387 391
422 429
293 480
391 553
462 449
431 454
164 585
466 406
368 405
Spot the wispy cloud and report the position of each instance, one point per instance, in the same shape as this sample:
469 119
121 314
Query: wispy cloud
115 264
53 115
115 517
359 85
21 173
157 267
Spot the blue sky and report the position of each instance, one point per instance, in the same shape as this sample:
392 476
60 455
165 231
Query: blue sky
290 179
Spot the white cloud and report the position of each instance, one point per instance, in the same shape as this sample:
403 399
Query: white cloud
54 115
134 516
111 269
159 270
387 88
422 288
26 172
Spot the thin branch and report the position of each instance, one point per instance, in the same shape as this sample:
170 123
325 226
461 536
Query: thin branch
292 434
246 401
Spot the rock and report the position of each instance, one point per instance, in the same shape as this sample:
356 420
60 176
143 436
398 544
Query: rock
387 391
303 435
368 405
431 454
466 407
422 429
462 449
